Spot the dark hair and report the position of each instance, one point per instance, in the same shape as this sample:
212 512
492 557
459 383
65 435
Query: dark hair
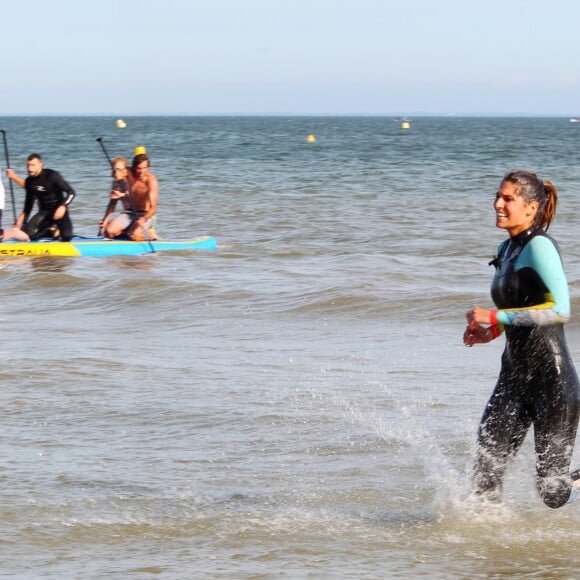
139 159
34 156
532 188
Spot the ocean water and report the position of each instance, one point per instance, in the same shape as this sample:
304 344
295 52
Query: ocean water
299 402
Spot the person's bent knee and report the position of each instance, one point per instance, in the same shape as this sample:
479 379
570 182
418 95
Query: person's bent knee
136 235
112 232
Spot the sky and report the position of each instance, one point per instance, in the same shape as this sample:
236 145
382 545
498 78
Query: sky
290 57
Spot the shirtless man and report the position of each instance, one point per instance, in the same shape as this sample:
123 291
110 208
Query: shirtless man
137 221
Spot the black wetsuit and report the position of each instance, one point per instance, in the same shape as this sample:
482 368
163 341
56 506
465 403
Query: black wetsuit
537 382
49 188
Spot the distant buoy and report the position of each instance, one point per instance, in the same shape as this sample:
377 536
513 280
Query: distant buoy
140 150
311 139
121 124
405 125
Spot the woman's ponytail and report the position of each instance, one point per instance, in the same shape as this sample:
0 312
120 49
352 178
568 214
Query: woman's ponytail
549 206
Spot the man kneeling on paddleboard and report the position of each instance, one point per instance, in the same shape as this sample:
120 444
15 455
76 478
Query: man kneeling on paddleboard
53 194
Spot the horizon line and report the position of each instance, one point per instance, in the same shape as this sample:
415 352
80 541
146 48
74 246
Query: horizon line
286 114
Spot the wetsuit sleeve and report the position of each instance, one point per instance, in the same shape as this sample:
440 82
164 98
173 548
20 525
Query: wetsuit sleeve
65 187
542 256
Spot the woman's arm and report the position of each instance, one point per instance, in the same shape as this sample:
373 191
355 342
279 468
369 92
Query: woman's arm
542 257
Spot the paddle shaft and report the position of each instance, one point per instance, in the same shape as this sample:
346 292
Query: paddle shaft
109 209
111 203
148 238
100 140
8 167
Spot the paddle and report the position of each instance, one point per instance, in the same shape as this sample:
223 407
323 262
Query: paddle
100 140
8 167
112 201
148 238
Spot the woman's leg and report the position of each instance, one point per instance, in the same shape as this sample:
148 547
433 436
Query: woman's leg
502 431
557 413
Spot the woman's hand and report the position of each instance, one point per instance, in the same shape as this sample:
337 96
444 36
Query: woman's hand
476 334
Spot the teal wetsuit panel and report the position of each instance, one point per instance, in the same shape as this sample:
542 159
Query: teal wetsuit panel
533 267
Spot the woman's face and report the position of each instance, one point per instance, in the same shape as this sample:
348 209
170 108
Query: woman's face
119 171
512 212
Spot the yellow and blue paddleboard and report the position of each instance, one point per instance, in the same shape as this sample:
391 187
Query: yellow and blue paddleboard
101 247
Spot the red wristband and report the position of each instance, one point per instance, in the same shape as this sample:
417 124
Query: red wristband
494 328
493 317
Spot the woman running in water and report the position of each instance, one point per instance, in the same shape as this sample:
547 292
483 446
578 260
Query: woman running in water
537 383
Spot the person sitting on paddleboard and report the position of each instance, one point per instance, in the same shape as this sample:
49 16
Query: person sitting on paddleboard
9 233
2 200
48 188
537 384
137 221
119 190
